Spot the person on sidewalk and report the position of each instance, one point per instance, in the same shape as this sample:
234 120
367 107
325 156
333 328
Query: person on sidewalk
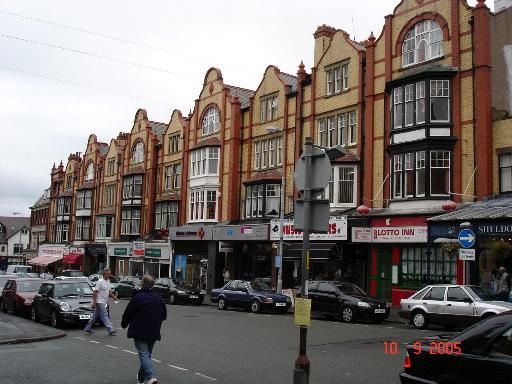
144 315
504 283
100 297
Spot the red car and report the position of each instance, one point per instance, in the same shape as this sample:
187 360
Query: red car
18 295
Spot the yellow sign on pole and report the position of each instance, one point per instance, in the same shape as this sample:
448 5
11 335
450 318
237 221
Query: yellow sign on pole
303 312
307 259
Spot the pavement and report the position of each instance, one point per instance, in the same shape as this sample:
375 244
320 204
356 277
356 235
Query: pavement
15 330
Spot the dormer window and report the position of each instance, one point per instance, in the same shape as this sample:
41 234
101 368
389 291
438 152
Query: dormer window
423 42
138 153
89 174
211 121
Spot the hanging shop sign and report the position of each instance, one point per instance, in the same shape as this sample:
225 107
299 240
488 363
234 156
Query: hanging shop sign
413 234
337 230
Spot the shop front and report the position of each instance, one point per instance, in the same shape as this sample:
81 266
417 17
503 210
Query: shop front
95 257
325 251
139 258
49 258
73 258
400 261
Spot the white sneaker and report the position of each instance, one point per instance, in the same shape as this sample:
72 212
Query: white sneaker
153 380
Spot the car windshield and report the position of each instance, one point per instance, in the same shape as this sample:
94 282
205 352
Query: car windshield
28 286
480 294
72 289
259 286
350 289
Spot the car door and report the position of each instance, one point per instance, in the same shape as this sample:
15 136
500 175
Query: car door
434 303
243 294
229 292
313 296
326 297
8 295
459 307
44 306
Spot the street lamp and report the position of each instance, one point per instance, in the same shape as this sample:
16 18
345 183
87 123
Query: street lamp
281 207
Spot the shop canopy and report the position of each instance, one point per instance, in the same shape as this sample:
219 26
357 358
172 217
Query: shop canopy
490 209
72 258
44 260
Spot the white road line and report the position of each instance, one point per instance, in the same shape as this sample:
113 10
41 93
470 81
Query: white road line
80 338
175 367
156 361
111 346
390 327
205 377
133 353
94 342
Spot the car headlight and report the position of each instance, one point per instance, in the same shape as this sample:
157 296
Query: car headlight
64 306
363 304
268 300
181 292
28 301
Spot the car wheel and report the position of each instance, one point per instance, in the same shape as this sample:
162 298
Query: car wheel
54 320
255 306
34 315
419 319
3 308
222 304
347 314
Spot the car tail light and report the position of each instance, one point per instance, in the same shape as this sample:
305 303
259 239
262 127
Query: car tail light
407 362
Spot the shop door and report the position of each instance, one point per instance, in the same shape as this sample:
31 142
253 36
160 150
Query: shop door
384 275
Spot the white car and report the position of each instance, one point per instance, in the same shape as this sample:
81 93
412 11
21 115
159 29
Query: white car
451 305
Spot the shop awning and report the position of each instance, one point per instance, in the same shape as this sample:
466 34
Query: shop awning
490 209
72 258
317 251
44 260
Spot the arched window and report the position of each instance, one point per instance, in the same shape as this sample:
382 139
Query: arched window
211 121
423 42
89 174
138 153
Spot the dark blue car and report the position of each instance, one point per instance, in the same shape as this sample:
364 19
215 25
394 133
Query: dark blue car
252 295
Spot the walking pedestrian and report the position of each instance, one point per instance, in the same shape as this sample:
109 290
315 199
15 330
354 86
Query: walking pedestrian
504 283
100 297
144 315
226 276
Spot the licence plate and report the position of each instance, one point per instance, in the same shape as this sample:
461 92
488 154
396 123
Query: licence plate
193 297
280 304
84 317
380 311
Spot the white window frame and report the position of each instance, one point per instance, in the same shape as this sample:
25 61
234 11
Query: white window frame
211 121
342 129
329 90
337 79
102 225
421 162
138 153
398 189
257 155
132 184
352 128
322 132
199 199
339 175
398 105
409 99
344 70
130 221
202 160
420 96
409 172
89 174
427 34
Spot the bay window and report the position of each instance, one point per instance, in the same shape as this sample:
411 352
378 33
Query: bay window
341 190
203 205
439 172
333 130
205 161
132 186
63 206
268 153
62 232
439 101
84 199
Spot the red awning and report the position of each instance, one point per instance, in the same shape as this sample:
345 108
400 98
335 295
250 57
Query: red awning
44 260
72 258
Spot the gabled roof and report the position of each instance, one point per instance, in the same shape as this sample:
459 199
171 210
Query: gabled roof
158 128
43 200
243 95
104 149
12 225
290 80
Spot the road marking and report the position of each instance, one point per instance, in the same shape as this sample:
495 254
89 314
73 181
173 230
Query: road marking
80 338
156 361
205 377
133 353
390 327
111 346
175 367
94 342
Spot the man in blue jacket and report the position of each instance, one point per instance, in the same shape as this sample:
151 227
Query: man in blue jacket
144 315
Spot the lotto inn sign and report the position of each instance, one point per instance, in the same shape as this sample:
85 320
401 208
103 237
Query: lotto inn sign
390 234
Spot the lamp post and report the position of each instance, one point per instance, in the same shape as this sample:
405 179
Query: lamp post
281 208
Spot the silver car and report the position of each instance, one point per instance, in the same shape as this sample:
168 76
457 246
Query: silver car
451 305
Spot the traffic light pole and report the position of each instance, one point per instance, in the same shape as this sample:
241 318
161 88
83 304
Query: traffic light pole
302 365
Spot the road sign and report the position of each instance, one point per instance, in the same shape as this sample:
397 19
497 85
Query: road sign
467 238
467 254
320 172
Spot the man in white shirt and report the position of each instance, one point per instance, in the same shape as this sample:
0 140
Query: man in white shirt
99 303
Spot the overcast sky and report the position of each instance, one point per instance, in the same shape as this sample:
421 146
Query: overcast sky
152 55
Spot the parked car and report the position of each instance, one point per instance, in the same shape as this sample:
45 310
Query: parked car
345 300
3 280
481 353
18 295
450 305
70 274
127 287
177 292
19 269
63 301
252 295
114 281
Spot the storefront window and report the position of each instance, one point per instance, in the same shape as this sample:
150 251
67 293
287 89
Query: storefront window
413 268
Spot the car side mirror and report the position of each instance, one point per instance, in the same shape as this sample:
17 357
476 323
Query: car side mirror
468 300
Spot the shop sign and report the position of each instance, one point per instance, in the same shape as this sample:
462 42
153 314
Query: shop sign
467 254
153 252
390 235
226 246
240 232
138 248
494 229
337 230
191 233
45 250
120 252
